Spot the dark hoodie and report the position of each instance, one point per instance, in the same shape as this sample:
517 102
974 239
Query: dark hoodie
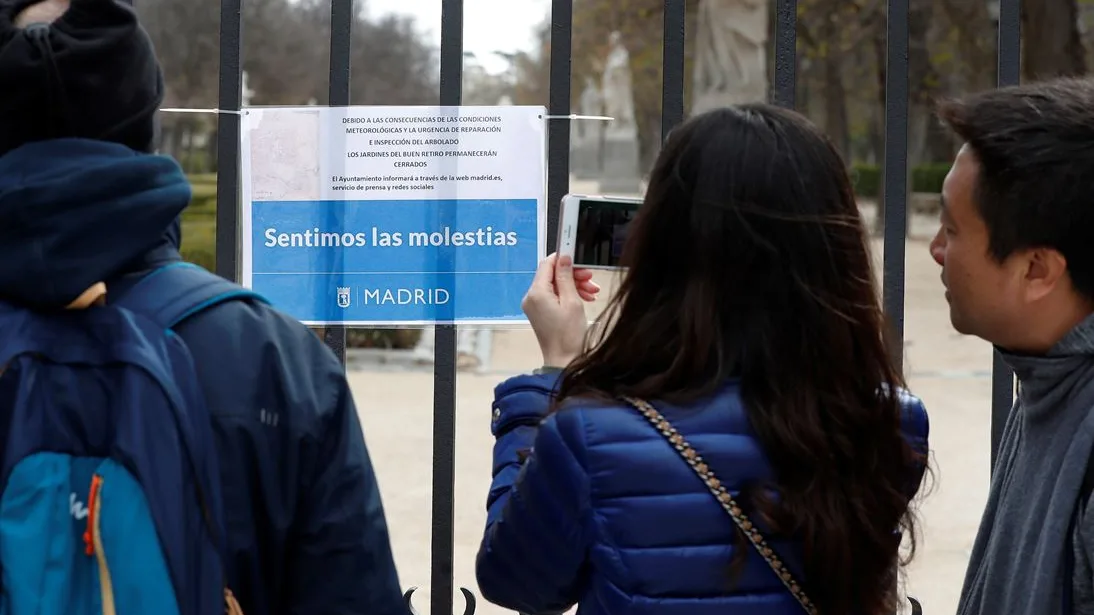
306 526
306 529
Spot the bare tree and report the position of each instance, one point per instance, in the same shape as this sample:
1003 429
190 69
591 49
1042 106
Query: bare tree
286 55
1052 45
188 45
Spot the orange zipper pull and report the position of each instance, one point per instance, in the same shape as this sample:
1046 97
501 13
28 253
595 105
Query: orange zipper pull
93 495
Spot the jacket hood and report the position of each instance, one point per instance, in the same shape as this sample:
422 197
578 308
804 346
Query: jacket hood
74 212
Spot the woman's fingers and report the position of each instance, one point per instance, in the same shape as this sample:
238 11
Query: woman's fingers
588 290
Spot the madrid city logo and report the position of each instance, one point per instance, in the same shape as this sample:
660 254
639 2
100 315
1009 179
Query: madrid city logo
344 297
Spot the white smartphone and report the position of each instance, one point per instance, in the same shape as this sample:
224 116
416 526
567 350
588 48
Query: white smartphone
592 229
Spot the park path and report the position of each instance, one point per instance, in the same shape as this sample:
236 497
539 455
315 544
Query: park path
951 373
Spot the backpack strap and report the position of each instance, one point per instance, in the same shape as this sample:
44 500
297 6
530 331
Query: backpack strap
175 292
169 295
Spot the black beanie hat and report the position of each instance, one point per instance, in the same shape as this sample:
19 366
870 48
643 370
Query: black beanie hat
92 74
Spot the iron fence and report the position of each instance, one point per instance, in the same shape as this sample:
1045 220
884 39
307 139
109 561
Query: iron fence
895 187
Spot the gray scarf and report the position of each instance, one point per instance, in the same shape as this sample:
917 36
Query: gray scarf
1018 560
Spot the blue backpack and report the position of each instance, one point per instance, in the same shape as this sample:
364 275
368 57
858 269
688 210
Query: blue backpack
110 498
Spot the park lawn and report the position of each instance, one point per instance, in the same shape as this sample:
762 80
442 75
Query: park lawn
199 241
199 222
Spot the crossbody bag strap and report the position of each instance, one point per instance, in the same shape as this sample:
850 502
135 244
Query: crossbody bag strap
718 490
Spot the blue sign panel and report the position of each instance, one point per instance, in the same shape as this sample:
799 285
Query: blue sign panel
394 215
395 261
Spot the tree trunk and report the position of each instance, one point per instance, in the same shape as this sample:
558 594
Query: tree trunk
835 94
646 75
649 141
1052 46
211 148
835 101
879 53
923 80
976 38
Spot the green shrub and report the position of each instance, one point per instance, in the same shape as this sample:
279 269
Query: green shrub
929 177
866 180
401 339
196 161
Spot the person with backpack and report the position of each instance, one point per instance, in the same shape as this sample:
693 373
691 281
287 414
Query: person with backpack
169 443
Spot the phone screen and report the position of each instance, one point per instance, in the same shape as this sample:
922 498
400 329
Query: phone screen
601 231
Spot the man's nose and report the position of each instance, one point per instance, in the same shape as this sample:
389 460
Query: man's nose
938 248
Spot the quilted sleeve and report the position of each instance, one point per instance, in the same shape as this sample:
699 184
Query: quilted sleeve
533 553
916 427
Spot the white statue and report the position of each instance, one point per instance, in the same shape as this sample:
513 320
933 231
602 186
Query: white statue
588 104
247 93
731 53
616 88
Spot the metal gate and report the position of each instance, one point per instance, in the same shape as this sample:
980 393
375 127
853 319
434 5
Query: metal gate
895 186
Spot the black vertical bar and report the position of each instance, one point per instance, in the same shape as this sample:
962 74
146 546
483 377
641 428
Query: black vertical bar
784 93
444 363
1009 73
228 126
672 63
896 171
341 28
558 130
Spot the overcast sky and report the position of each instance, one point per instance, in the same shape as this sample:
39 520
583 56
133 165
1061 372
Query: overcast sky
488 25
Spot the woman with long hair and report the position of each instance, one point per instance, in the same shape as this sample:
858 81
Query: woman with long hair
732 436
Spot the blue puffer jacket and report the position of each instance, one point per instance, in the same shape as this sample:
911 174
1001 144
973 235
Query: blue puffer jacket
607 515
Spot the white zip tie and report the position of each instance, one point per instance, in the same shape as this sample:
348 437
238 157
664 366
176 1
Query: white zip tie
179 110
575 116
571 116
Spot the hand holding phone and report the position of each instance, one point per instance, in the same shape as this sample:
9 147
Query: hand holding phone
592 229
555 310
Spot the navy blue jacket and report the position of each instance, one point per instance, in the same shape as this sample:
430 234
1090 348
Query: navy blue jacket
605 514
306 528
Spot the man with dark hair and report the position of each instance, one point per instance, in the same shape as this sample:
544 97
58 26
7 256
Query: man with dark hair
1017 253
84 200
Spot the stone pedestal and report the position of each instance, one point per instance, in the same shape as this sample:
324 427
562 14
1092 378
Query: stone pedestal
620 175
620 145
585 134
707 101
585 149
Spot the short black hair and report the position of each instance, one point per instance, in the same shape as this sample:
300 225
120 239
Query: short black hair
1035 147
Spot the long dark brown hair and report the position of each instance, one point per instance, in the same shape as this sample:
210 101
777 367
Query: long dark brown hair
748 260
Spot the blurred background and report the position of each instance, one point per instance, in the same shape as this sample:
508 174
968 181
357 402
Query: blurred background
616 70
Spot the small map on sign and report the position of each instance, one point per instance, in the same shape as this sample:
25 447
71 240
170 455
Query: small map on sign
284 154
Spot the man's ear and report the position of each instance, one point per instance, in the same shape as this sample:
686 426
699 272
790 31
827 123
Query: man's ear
1046 269
45 12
